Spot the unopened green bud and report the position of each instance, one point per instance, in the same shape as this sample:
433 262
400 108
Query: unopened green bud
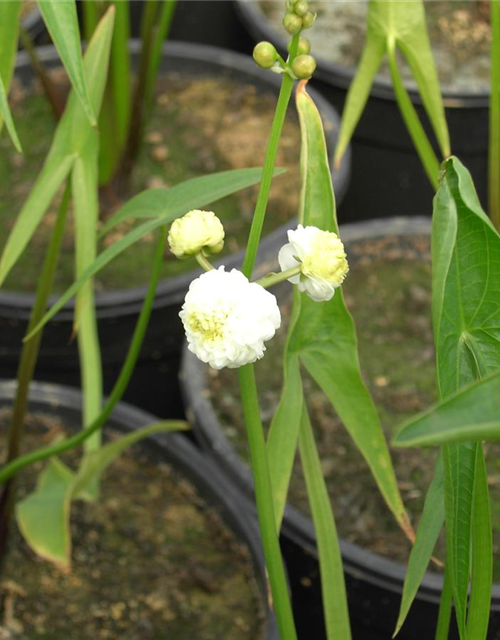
308 20
292 23
265 55
303 66
304 46
301 8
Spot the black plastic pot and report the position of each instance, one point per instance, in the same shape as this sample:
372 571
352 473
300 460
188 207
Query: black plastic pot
202 22
154 385
387 176
374 583
211 485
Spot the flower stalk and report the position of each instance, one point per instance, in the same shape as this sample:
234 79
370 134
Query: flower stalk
203 262
275 278
265 506
269 163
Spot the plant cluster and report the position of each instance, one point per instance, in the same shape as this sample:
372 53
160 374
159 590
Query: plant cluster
228 318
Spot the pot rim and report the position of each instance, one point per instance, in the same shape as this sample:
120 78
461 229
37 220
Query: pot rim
175 448
358 562
123 302
341 76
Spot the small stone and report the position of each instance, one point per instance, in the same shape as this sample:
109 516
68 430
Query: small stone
160 153
156 182
154 137
381 381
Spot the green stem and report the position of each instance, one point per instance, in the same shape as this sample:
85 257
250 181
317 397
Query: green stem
413 124
268 169
27 363
136 128
13 467
265 507
162 31
494 146
204 263
444 617
275 278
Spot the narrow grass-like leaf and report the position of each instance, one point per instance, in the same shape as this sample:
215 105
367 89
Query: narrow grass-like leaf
61 21
460 473
413 124
9 31
190 194
114 118
428 531
471 414
359 91
482 555
330 559
7 117
444 615
70 137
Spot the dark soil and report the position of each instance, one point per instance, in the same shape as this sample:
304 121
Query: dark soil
459 31
150 561
390 302
198 126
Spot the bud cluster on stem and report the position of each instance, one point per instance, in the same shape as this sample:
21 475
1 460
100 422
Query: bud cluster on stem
300 64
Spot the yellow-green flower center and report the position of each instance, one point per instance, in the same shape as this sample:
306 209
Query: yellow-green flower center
327 258
209 326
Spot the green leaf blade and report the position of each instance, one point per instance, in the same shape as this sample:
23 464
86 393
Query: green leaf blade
473 413
190 194
482 550
466 316
7 117
428 531
330 558
61 21
9 31
71 136
324 336
43 516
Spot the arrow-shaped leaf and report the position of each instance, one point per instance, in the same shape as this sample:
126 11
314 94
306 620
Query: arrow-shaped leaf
44 515
390 26
466 317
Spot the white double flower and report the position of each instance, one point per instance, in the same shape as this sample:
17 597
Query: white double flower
321 258
227 319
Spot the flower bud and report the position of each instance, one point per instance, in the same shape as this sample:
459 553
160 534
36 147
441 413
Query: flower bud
301 7
303 66
308 20
292 23
196 231
265 55
304 46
